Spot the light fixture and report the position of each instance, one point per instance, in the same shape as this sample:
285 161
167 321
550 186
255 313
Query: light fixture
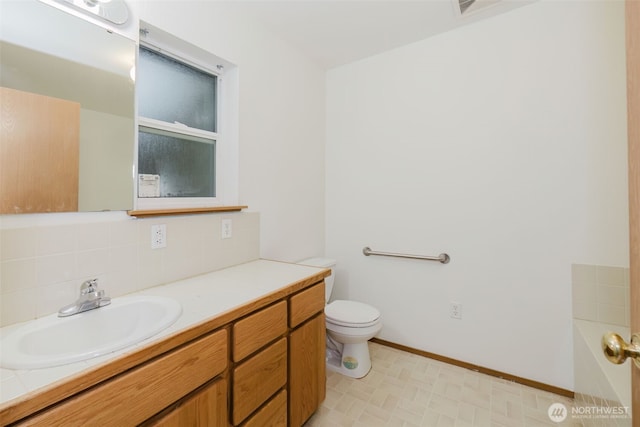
114 11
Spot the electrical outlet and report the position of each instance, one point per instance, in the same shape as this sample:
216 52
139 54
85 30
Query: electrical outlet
227 228
455 310
158 236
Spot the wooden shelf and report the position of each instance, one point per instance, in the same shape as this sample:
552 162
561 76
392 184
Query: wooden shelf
184 211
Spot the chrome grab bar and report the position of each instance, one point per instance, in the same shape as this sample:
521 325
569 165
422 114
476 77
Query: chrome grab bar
443 258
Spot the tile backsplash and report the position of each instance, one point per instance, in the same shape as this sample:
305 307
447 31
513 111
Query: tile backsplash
42 267
600 293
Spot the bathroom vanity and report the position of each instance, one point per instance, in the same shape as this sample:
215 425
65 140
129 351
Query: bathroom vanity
248 350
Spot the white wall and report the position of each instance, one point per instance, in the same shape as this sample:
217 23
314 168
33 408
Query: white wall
282 119
281 166
502 143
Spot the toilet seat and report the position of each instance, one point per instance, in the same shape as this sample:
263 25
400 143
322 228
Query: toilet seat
352 314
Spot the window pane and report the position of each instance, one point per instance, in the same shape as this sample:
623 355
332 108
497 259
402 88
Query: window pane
171 91
172 165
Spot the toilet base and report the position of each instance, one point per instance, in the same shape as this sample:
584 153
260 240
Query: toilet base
355 361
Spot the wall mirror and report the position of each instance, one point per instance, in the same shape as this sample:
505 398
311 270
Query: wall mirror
68 115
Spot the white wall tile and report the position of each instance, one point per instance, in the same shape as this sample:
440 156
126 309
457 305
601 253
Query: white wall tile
17 275
17 243
55 268
18 306
92 236
55 239
92 263
44 266
123 232
53 297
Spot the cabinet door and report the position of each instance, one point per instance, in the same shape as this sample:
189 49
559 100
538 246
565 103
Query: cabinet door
307 370
205 408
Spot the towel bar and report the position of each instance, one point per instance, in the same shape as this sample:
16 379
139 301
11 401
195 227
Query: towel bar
443 258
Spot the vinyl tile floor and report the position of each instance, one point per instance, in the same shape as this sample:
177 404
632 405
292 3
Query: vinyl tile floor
407 390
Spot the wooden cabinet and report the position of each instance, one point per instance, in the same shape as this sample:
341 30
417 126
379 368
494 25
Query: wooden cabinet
257 379
273 414
297 362
257 330
263 366
135 396
207 407
307 369
306 304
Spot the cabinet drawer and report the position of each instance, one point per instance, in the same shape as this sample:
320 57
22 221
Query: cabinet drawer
305 304
259 329
133 397
273 414
258 378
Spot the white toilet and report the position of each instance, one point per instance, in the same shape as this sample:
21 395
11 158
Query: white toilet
350 324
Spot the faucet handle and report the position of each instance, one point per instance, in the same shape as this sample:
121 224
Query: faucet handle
89 286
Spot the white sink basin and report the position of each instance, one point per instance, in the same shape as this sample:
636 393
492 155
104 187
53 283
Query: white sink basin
53 341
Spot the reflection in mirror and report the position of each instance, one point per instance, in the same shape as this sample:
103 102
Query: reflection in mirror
47 53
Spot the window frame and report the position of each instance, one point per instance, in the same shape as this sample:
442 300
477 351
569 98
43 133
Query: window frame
225 137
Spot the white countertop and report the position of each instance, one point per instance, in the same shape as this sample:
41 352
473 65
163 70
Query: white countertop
202 297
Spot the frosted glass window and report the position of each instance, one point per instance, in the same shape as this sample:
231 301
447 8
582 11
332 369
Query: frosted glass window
179 165
174 92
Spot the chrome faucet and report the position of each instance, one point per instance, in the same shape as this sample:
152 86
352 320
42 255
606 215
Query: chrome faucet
90 298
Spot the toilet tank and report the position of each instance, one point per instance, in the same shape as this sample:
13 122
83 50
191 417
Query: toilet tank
323 263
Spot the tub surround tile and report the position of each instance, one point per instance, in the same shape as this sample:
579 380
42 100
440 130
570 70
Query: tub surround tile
585 291
600 293
613 314
584 274
610 275
614 295
585 309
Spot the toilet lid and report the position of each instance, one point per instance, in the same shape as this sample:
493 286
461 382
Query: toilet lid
347 313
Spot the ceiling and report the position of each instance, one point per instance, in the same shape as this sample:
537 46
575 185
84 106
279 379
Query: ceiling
336 32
